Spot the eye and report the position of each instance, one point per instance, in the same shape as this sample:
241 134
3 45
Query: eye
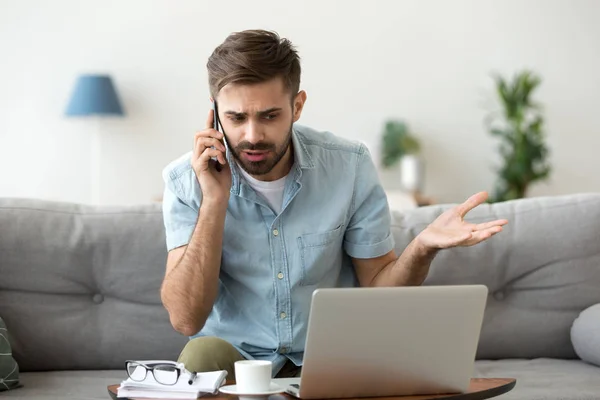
236 118
270 117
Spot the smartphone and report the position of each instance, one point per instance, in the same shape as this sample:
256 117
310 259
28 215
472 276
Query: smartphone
218 165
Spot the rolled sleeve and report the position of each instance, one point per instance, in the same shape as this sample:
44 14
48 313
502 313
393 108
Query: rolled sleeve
370 250
179 218
369 231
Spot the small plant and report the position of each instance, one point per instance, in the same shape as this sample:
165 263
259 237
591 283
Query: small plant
522 142
396 142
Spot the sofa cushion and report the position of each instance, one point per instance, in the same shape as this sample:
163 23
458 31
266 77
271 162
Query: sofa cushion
9 369
541 271
585 335
544 378
80 285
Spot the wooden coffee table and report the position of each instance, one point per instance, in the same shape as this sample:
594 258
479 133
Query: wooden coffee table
480 388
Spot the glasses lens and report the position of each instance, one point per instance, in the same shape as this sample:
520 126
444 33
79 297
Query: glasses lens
165 374
136 372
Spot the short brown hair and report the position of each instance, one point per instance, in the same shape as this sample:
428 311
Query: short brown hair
253 56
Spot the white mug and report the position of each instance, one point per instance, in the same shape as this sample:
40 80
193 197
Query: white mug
253 376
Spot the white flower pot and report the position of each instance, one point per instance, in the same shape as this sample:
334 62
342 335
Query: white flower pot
412 173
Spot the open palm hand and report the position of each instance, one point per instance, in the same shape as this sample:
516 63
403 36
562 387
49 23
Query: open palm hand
451 230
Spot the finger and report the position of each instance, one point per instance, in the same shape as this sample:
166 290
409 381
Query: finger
471 203
210 119
216 154
491 231
221 158
205 157
470 227
199 147
210 142
208 133
460 238
223 164
205 139
486 225
480 236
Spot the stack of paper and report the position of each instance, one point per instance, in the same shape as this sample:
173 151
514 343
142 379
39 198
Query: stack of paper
149 388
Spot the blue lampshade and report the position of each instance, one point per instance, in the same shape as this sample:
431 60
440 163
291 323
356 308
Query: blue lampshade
94 95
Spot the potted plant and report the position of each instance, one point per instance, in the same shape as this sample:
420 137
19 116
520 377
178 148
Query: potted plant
520 130
401 149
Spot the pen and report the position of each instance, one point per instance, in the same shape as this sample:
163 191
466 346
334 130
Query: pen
192 377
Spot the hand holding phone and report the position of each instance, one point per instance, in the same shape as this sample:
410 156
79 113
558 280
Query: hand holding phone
209 161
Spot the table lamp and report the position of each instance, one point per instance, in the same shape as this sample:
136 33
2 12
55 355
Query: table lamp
94 96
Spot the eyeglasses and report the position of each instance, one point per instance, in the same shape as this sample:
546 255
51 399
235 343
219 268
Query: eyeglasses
163 373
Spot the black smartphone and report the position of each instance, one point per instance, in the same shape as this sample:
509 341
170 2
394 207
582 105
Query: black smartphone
218 165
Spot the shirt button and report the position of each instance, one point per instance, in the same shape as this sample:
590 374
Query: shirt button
275 232
283 350
283 315
280 275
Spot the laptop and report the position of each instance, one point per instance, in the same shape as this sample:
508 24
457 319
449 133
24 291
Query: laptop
368 342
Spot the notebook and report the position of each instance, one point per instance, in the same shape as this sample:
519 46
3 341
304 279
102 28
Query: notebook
149 388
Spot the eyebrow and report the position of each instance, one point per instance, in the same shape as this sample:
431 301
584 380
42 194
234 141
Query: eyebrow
259 113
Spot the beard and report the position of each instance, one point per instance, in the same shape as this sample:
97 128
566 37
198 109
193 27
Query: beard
262 167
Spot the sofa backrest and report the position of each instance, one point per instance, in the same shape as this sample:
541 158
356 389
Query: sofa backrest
541 271
79 285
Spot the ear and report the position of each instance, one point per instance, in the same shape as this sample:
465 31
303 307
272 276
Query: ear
299 101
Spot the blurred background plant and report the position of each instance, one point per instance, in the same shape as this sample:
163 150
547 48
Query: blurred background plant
401 151
520 129
397 141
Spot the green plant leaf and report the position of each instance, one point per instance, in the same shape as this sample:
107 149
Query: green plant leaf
396 142
523 150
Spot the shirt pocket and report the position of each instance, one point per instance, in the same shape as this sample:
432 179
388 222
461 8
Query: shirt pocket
321 255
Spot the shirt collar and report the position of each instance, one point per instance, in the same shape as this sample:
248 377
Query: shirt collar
301 155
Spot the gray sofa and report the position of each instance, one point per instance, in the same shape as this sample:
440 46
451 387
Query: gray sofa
79 292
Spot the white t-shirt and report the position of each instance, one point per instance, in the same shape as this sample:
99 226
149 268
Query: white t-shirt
272 191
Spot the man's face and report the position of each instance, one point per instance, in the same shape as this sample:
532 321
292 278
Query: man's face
257 122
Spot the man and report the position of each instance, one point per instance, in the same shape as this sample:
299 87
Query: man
291 209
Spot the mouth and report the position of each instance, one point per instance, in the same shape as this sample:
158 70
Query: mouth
255 156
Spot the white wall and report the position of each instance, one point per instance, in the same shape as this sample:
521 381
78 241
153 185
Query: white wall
426 61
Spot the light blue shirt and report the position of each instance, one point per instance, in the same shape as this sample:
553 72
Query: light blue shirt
334 208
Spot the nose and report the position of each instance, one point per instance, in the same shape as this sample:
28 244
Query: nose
253 132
